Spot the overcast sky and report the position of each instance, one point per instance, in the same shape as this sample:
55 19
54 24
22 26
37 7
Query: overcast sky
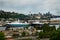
35 6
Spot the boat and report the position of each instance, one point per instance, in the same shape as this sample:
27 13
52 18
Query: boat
18 24
37 22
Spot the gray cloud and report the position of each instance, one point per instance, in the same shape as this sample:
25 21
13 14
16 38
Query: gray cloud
25 6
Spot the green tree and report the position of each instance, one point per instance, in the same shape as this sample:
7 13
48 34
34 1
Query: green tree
15 35
2 36
47 31
23 34
41 35
44 34
55 35
46 28
52 28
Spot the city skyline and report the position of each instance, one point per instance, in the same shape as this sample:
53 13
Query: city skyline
35 6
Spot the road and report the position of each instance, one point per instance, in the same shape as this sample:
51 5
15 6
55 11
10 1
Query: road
30 37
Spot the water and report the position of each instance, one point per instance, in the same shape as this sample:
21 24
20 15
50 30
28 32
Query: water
57 26
2 28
